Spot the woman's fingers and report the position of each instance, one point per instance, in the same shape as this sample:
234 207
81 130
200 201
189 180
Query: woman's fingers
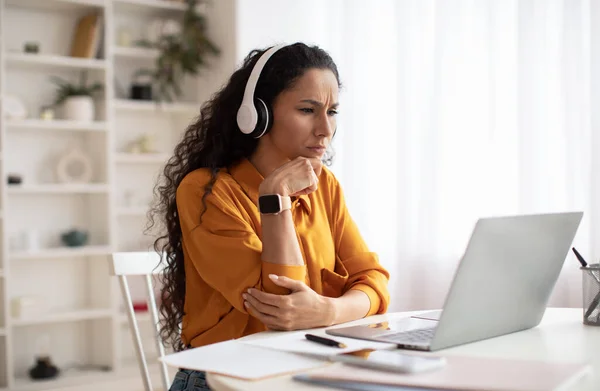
308 182
268 298
265 318
260 306
297 177
270 321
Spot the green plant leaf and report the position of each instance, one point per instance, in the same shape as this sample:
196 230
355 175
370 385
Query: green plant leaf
66 89
183 54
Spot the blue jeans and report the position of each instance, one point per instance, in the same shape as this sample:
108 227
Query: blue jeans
188 380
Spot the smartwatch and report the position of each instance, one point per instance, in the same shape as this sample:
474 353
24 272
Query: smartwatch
273 204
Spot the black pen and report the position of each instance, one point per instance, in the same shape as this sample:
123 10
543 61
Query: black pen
324 341
579 257
584 264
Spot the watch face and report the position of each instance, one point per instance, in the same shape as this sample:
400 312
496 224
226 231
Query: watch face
269 204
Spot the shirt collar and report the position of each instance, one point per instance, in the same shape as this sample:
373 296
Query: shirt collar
248 177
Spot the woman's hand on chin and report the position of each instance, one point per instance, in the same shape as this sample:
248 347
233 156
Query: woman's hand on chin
296 177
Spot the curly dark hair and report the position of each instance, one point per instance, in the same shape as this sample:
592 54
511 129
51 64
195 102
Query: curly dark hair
214 141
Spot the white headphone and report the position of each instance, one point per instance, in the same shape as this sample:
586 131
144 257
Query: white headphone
253 114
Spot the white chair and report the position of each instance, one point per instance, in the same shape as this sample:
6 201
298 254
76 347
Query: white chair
145 264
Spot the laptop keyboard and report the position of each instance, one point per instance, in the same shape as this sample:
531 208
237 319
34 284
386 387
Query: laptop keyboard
411 336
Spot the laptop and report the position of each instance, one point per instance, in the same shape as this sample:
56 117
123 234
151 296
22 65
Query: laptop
502 285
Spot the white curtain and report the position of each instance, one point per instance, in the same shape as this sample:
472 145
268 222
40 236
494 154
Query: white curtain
457 109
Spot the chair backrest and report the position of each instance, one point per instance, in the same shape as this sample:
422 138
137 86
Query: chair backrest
147 264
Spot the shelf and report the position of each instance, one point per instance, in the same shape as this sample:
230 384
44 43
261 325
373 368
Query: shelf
137 211
141 5
127 378
57 5
72 316
62 252
136 53
59 125
70 378
133 105
89 188
54 61
142 158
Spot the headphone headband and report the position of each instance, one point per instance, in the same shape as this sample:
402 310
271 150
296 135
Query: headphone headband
247 116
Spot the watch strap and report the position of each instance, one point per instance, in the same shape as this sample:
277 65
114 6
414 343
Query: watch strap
286 203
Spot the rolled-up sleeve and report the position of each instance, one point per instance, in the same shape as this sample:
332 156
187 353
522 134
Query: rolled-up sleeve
223 247
362 266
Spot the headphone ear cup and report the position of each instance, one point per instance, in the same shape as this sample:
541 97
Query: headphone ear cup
264 122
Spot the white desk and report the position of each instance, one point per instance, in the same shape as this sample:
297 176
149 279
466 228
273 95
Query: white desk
561 337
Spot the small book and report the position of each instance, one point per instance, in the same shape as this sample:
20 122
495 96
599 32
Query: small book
86 37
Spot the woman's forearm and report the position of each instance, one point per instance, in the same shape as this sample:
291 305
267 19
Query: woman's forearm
352 305
280 243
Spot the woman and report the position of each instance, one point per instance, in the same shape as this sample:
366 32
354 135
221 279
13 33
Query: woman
240 259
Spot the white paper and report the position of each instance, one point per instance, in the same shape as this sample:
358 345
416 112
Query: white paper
236 359
296 342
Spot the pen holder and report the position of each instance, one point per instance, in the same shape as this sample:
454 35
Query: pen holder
591 294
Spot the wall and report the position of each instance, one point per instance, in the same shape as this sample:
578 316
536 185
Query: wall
262 23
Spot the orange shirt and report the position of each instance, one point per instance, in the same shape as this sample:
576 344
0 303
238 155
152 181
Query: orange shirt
222 253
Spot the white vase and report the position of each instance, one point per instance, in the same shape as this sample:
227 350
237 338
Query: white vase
79 108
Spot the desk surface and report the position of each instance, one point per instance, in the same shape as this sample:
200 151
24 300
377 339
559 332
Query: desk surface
560 337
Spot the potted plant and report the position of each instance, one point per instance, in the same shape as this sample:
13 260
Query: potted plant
76 100
181 51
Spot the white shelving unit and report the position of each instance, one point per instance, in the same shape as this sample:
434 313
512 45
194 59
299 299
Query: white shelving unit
38 124
42 60
61 5
59 189
81 316
61 252
75 377
71 316
139 158
129 105
135 53
145 5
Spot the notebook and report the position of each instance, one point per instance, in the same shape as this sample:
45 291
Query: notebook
465 374
243 361
296 342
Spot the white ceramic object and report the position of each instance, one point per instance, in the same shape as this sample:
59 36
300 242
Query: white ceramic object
74 167
14 107
79 108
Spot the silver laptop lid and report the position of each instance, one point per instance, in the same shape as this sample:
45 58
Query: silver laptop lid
506 276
